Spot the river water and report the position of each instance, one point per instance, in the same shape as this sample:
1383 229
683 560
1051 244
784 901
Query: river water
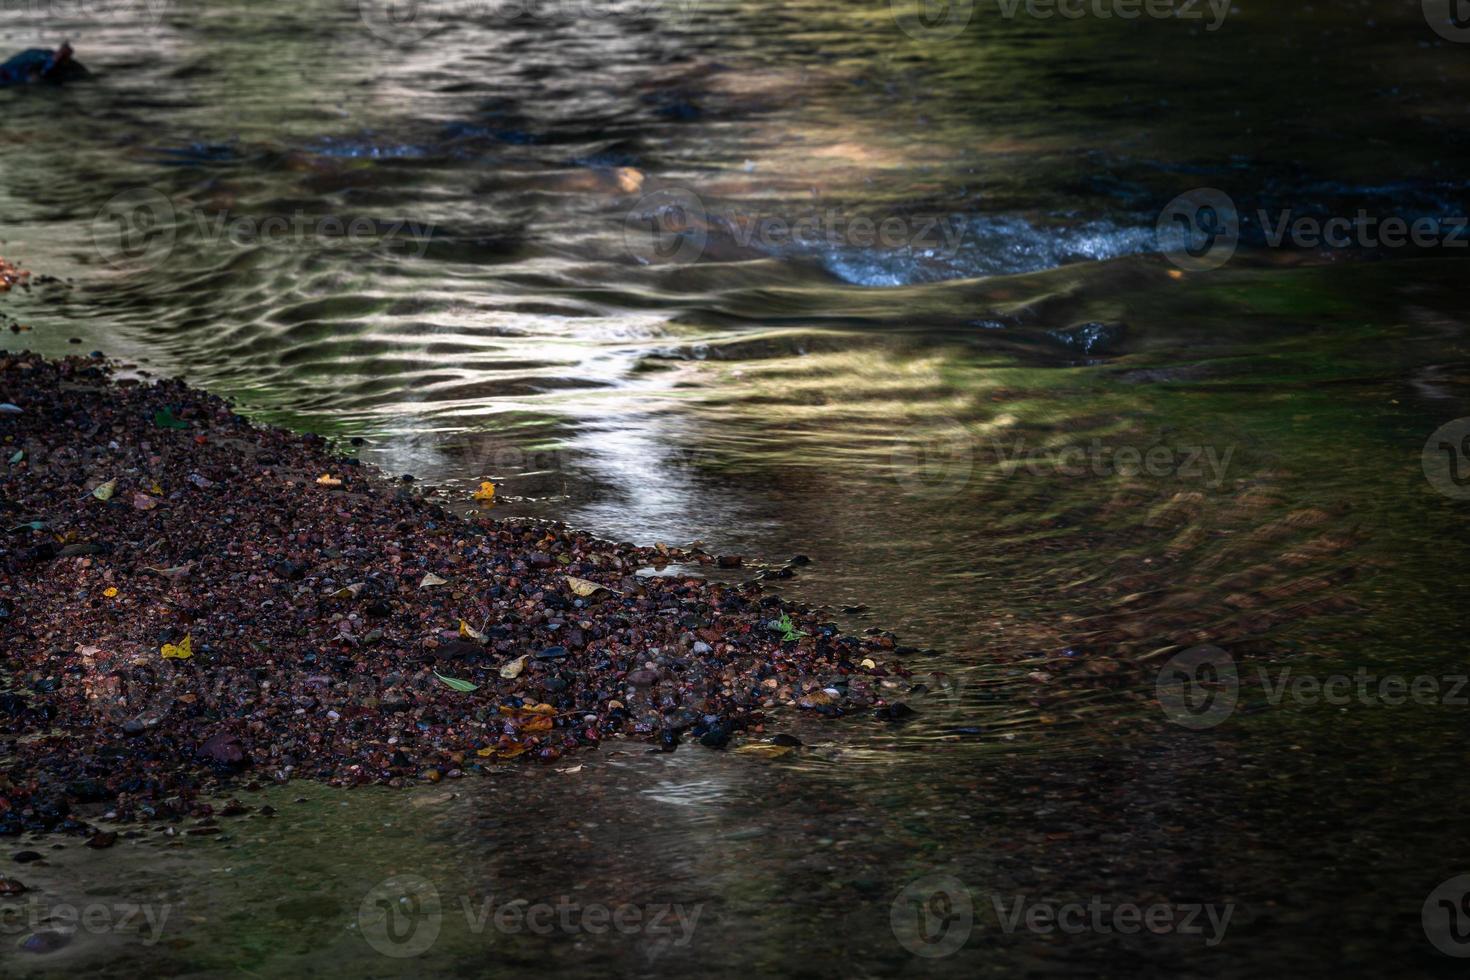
870 285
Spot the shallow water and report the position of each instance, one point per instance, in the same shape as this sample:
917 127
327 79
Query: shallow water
1241 464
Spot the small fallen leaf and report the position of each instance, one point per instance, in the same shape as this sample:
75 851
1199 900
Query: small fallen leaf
540 723
486 491
764 750
470 633
328 480
454 683
572 769
432 579
513 669
110 592
486 752
104 491
141 501
869 664
164 418
19 455
156 489
347 591
172 574
583 588
33 525
183 651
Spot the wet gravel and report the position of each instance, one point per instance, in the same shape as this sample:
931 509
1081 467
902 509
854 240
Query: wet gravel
189 601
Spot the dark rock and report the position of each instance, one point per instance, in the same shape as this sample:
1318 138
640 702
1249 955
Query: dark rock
101 841
729 561
790 741
552 653
898 711
224 751
26 857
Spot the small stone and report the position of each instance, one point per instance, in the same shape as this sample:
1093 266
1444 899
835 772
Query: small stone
26 857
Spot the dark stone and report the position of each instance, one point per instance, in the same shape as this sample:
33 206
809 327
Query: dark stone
101 841
668 739
224 750
552 653
791 741
898 711
26 857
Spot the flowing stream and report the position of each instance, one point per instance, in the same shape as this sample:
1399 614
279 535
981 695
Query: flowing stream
786 278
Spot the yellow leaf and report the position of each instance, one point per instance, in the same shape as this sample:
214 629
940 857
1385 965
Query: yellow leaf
157 490
583 588
486 752
470 633
110 591
541 723
513 669
869 664
328 480
486 491
183 651
104 491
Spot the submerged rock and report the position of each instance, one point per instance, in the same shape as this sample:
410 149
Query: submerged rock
42 65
